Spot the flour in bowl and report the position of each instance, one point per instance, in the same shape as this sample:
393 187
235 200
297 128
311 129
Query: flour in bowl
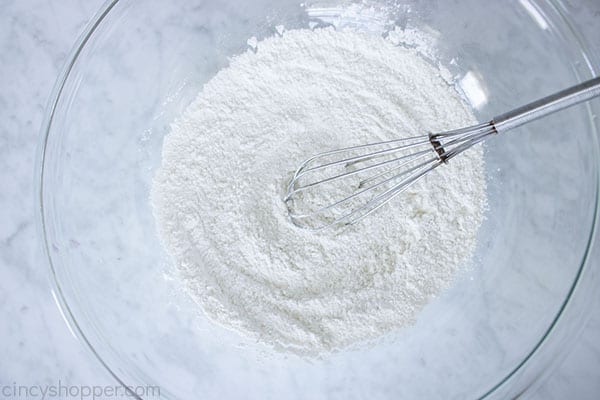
217 196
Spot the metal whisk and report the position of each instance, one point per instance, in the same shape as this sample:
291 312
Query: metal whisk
343 186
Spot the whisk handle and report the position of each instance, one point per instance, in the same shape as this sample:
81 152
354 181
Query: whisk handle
548 105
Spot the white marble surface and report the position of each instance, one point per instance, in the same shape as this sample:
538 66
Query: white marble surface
36 346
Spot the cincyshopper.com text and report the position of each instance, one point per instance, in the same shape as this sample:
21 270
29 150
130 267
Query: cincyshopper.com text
81 392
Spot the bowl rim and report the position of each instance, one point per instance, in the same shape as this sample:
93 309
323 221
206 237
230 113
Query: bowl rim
591 60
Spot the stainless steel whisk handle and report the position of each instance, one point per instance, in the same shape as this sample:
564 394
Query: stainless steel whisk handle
548 105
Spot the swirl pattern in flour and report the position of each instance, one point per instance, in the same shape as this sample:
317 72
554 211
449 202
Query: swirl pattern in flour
217 196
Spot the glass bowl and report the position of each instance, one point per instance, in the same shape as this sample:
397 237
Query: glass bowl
494 334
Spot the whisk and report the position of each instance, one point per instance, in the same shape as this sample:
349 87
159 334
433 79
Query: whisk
343 186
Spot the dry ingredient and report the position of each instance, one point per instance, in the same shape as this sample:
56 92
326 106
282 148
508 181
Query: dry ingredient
217 196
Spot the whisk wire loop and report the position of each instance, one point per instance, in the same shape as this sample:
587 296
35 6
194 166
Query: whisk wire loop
381 171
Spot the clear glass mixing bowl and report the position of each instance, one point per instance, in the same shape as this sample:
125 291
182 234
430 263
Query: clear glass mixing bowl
494 334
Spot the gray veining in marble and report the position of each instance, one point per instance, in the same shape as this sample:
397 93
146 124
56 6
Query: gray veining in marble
36 345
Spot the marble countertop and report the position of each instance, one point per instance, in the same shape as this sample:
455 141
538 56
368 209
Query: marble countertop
36 345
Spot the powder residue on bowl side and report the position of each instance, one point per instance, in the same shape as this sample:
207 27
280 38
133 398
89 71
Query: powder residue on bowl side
217 196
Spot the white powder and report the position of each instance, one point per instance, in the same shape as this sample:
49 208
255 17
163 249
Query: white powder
218 194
